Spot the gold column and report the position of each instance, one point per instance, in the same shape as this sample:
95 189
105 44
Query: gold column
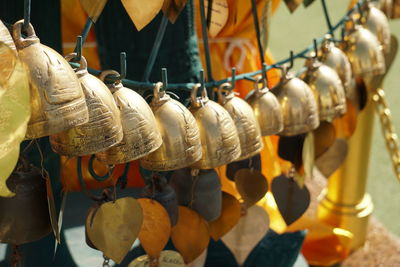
345 203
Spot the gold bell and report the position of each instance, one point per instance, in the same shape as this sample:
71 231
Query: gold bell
245 121
363 51
219 138
386 6
266 108
57 100
327 88
376 21
299 107
332 56
141 135
102 131
5 36
396 9
181 139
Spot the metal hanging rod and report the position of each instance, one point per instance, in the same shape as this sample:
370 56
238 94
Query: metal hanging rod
144 86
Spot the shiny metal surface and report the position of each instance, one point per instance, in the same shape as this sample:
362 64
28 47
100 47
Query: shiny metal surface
299 107
267 109
220 141
245 121
377 22
327 88
141 135
102 131
57 100
5 36
181 137
334 57
364 52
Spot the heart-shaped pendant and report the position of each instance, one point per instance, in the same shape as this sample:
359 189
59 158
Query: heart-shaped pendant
156 227
250 229
230 215
291 199
190 235
115 226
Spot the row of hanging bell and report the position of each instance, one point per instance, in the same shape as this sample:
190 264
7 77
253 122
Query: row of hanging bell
121 126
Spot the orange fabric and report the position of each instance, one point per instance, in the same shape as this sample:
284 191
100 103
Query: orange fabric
73 19
236 45
70 181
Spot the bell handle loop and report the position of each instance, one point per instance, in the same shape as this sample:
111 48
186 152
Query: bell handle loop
193 95
19 40
82 61
94 174
156 91
222 98
259 79
115 76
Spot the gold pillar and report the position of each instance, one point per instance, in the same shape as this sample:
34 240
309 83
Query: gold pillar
345 203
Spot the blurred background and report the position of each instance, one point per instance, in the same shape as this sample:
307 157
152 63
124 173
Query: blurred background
295 32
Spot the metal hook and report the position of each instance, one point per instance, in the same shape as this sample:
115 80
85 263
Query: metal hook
122 62
315 48
202 79
164 77
327 18
78 48
27 14
264 72
233 78
291 60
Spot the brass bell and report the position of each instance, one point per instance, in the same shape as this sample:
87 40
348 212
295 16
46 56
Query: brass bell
25 217
327 88
363 51
396 9
245 121
386 6
5 36
141 135
181 138
220 141
299 107
376 21
102 131
199 190
332 56
266 108
57 100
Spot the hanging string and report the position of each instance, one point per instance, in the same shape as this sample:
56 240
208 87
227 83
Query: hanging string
145 86
206 47
155 49
327 18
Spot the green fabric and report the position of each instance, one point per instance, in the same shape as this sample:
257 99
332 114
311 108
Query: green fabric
178 51
45 18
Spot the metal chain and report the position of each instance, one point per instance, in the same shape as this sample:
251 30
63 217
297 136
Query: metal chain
106 262
389 133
